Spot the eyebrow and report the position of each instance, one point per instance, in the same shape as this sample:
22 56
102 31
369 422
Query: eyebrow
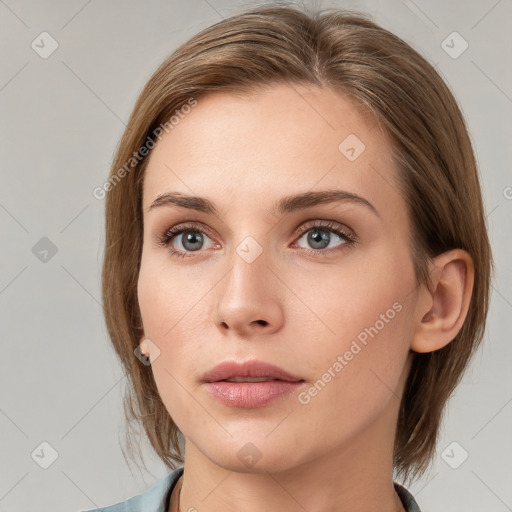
287 204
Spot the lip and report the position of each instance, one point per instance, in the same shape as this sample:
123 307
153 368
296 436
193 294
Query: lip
253 368
250 394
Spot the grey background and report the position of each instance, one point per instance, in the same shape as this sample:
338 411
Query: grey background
62 118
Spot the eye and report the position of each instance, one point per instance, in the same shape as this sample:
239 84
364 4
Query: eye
188 237
319 236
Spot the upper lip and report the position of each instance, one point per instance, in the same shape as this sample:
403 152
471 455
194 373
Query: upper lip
254 368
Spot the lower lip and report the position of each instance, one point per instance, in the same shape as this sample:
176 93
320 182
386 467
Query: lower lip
251 394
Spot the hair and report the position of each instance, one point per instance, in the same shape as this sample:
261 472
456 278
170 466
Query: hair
346 52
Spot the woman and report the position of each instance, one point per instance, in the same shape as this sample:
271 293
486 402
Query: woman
297 265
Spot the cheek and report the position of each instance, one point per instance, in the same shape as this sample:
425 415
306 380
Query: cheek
355 371
167 309
176 321
365 312
168 299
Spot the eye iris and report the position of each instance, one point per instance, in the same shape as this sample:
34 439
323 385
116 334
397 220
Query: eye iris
192 238
318 236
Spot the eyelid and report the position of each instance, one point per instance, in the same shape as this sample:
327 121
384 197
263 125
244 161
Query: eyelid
327 224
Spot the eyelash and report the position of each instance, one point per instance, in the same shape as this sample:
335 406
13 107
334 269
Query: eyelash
341 231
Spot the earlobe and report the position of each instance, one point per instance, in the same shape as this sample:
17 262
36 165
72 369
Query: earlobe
443 308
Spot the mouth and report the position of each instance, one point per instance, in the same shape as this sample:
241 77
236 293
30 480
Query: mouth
251 384
248 371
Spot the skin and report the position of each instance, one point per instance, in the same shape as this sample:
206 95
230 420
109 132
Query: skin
244 153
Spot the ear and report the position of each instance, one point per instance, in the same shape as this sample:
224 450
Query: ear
144 346
442 309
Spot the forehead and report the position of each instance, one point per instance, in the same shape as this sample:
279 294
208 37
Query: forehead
256 147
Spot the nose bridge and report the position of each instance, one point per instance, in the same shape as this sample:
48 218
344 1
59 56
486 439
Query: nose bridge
249 274
251 250
249 295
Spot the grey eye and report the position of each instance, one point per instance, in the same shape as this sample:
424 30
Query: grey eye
191 240
320 238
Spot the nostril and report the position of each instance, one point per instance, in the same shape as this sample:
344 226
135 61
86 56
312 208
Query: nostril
261 322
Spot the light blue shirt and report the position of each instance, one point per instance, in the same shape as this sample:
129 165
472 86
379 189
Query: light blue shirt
156 499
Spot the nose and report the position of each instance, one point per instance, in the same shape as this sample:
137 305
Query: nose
250 298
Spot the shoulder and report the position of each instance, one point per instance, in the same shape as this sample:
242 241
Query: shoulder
407 498
155 499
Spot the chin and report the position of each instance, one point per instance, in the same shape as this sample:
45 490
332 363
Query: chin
259 455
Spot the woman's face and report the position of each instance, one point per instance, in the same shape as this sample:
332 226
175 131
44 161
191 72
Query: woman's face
323 289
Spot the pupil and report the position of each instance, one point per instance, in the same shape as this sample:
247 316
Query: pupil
192 238
319 237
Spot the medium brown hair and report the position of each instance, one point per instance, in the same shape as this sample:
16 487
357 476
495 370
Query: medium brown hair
347 52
